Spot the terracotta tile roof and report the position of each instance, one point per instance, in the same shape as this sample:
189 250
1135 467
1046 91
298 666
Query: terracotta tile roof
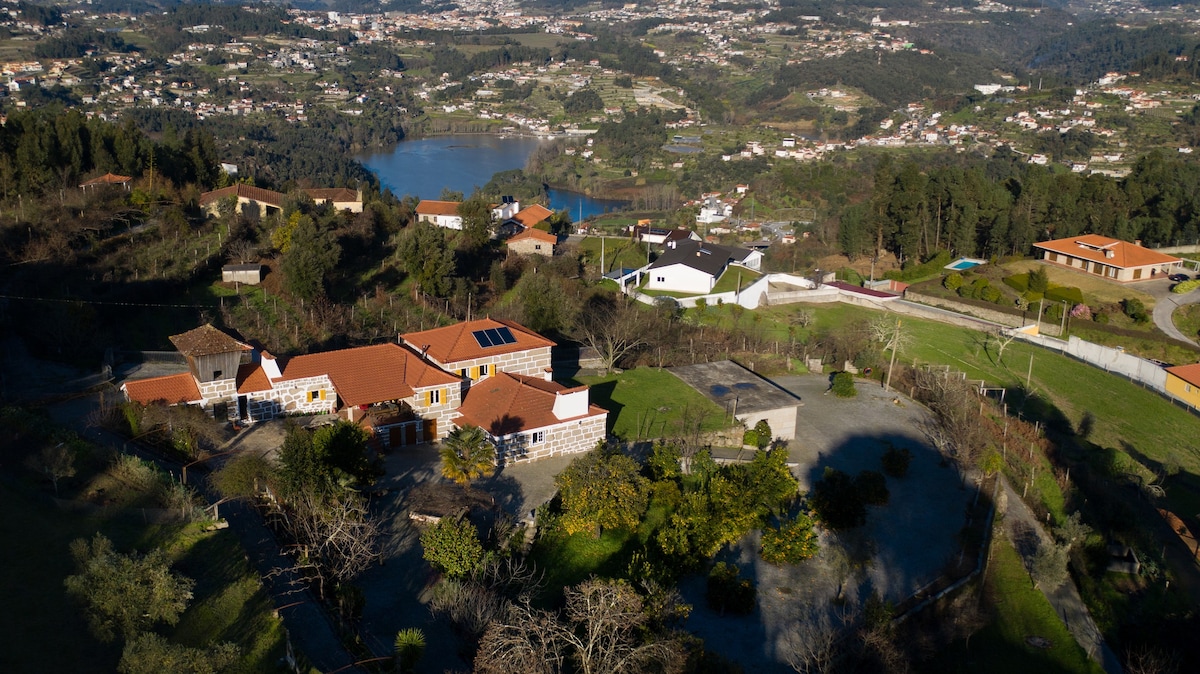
252 379
511 403
171 389
537 235
432 207
1188 373
244 191
455 343
1095 247
206 341
369 374
106 179
338 194
531 215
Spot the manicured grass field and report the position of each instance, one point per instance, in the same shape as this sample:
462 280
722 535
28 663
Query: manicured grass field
1018 611
618 252
647 403
729 280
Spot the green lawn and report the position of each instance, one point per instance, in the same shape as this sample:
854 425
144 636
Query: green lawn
1018 611
648 403
729 280
618 252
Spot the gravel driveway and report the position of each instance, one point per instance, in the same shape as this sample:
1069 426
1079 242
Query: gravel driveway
909 541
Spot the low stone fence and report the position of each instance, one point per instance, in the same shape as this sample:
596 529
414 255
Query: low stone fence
991 315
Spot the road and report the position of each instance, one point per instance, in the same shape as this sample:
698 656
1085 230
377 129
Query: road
1165 303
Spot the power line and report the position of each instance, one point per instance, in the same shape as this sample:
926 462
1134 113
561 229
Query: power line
110 304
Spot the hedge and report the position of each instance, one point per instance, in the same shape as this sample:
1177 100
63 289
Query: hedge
1018 282
1186 286
1065 293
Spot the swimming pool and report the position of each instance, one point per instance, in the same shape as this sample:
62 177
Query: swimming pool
965 263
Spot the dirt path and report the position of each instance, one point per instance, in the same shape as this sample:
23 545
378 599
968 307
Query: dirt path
1027 535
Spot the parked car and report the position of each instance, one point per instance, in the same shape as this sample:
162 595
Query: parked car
1179 278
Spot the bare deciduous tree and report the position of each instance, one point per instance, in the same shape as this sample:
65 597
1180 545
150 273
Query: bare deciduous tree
891 335
811 642
955 431
54 461
612 326
335 537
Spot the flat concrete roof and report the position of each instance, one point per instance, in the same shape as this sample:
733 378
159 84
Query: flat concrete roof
724 381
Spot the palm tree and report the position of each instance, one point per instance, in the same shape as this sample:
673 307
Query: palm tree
467 454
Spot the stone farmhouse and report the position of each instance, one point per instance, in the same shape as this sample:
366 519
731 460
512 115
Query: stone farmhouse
533 242
440 213
495 374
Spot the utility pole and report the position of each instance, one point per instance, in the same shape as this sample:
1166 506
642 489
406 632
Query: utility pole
887 385
1062 329
1029 374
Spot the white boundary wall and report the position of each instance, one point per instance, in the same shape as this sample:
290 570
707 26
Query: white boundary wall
1107 358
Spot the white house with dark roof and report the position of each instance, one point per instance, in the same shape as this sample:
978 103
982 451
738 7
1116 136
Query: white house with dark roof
694 266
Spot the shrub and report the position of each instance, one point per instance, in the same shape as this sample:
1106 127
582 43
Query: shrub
729 592
452 547
1031 297
953 281
896 461
992 294
843 385
1039 280
791 542
872 487
1054 313
1068 294
750 438
1018 282
912 272
849 276
763 429
1186 286
976 289
1081 311
836 501
1100 317
1133 307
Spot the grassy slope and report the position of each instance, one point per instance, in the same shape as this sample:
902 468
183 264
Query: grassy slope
49 633
1018 611
647 402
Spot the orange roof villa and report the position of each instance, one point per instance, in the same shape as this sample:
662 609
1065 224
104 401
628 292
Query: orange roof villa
1112 259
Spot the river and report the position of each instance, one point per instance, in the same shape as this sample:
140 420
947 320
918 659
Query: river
425 166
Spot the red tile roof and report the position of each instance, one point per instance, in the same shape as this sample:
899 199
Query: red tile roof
171 389
531 215
369 374
537 235
512 403
244 191
1188 373
433 207
252 379
455 343
338 194
106 179
1095 248
206 341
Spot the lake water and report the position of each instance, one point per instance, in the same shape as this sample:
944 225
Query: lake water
425 166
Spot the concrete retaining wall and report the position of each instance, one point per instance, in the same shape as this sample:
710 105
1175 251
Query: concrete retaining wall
1108 358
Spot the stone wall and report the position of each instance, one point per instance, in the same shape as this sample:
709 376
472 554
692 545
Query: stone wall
994 316
292 396
531 362
572 437
444 412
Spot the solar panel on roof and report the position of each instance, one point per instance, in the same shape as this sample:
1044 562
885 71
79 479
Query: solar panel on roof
481 336
506 335
494 336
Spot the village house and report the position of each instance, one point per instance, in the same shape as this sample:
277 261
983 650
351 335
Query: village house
412 392
440 213
1183 382
1109 258
694 267
533 242
265 202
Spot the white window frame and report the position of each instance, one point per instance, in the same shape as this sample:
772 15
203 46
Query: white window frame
537 437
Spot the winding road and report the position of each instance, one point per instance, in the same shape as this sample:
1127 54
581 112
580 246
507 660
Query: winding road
1165 304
